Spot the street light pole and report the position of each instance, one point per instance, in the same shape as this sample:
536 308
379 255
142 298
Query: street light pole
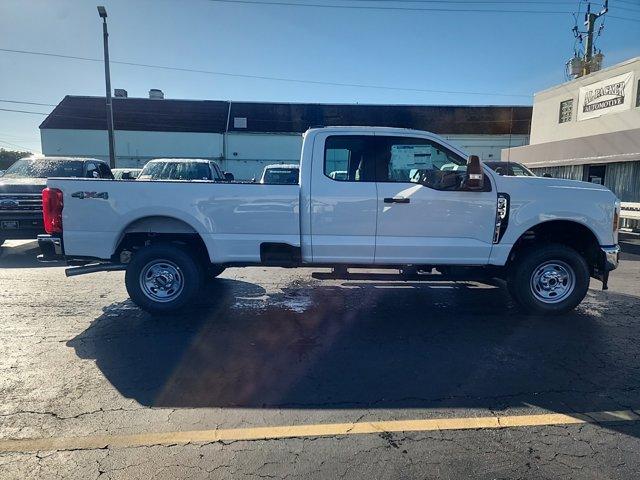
107 78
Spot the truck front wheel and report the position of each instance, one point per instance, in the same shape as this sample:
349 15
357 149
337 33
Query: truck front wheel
215 270
162 278
549 279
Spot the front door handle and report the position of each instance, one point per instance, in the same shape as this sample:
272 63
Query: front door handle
397 200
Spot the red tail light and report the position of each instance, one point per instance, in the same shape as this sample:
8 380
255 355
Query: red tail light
52 210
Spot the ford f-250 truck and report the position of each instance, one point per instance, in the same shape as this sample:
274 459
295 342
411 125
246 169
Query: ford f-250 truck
21 191
404 199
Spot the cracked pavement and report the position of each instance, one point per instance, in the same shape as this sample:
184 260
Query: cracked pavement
271 347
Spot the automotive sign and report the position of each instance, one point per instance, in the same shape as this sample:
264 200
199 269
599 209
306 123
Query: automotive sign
608 96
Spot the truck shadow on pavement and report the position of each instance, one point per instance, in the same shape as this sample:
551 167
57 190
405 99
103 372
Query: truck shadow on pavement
370 345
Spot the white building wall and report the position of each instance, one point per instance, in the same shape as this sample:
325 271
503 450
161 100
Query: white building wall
487 147
133 148
545 126
248 153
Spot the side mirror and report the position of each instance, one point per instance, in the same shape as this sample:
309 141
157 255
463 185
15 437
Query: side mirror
474 178
228 176
126 176
547 175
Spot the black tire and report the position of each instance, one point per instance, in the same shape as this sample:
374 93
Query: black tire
549 279
174 273
215 270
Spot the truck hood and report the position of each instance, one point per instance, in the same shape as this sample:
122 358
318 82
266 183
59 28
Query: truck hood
22 185
556 184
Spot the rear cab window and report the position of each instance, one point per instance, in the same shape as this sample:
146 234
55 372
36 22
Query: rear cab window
350 158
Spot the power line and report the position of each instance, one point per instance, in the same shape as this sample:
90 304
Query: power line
21 111
16 145
408 9
368 7
463 2
28 103
263 77
490 2
637 20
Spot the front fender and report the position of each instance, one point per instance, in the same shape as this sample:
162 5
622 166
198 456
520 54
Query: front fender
535 201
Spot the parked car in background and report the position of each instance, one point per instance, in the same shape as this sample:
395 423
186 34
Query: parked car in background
510 169
280 174
126 173
21 191
188 169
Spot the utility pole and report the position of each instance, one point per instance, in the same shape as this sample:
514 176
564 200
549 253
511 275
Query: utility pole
107 77
590 23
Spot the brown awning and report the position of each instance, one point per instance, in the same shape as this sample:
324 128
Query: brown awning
623 146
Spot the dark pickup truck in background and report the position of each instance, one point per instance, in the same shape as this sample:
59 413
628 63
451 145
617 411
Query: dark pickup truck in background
21 191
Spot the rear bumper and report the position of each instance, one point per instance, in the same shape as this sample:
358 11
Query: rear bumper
51 247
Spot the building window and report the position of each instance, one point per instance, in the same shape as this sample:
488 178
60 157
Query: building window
566 111
638 95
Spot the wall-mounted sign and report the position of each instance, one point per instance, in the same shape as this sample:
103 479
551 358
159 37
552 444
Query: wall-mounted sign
607 96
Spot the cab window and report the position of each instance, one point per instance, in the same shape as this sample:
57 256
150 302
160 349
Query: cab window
418 160
350 158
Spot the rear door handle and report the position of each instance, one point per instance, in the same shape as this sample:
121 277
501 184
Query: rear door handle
397 200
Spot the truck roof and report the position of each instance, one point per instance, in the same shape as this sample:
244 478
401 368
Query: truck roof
355 128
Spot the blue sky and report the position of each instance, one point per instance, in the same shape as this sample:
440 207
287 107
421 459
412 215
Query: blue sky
499 53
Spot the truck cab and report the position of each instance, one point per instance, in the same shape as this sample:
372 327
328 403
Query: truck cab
403 199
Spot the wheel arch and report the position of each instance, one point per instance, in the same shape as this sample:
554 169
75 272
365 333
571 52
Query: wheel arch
150 229
571 233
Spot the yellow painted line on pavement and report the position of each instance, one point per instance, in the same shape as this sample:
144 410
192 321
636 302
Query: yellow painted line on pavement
318 430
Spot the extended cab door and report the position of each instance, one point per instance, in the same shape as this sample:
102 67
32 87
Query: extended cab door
424 214
343 199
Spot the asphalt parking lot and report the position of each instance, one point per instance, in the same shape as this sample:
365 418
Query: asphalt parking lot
276 374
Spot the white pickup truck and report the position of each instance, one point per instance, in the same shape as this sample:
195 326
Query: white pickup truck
404 199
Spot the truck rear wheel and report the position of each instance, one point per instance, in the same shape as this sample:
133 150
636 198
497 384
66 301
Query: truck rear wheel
549 279
163 278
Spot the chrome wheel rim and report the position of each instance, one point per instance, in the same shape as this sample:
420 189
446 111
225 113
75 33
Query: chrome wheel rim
552 282
161 281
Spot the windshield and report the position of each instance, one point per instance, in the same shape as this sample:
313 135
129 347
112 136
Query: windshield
175 171
286 176
43 168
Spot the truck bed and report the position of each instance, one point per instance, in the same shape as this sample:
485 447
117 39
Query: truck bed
233 219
